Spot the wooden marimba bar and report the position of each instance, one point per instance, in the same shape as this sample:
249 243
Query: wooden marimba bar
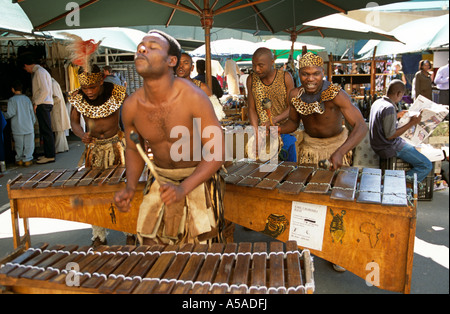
80 195
363 220
196 269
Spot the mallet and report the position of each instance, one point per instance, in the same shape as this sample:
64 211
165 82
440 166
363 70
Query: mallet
135 138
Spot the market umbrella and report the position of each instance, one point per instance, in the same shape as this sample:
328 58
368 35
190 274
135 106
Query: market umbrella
283 47
261 15
227 48
417 35
341 26
121 38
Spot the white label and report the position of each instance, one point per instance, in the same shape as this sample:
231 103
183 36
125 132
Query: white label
307 225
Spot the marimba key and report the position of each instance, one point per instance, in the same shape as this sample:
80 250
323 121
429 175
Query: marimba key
22 259
242 173
191 270
30 184
140 270
259 269
241 268
256 176
50 261
273 179
296 180
89 177
97 263
370 186
394 188
158 269
209 269
62 264
320 182
108 267
53 177
117 176
345 185
104 176
83 262
232 168
21 179
276 257
174 271
76 177
294 275
63 178
114 279
224 270
35 261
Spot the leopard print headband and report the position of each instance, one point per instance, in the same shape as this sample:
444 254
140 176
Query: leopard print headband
87 78
309 59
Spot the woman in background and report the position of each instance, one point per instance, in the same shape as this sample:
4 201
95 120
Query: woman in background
423 80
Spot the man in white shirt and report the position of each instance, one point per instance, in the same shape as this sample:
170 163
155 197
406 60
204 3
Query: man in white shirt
42 100
441 81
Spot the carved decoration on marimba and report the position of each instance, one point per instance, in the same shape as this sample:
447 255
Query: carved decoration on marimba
372 233
337 228
275 225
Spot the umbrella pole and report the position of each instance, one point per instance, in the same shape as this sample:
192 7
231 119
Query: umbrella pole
207 22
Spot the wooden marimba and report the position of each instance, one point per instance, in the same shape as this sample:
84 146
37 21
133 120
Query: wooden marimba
196 269
361 220
85 195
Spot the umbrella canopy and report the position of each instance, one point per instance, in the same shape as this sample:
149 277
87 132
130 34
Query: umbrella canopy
125 39
261 15
278 44
341 26
271 16
418 35
227 48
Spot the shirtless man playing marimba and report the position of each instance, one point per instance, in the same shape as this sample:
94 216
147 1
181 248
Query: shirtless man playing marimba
176 209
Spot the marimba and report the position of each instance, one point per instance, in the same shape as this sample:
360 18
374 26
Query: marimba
196 269
362 220
80 195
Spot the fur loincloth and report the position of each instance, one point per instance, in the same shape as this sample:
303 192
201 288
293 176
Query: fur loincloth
196 219
312 150
104 153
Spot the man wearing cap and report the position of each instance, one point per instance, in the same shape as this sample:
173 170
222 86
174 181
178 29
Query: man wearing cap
322 107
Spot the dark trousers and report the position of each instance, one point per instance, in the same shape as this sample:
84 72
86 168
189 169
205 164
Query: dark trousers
45 129
443 97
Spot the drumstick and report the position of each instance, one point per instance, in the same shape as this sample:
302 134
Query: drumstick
267 105
135 138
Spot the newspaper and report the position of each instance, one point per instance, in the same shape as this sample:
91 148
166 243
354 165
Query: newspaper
432 115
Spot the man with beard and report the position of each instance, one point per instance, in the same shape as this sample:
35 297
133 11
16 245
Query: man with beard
177 207
322 107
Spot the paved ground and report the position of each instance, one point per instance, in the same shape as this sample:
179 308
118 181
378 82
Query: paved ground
431 258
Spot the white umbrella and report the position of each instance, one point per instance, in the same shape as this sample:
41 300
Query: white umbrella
227 48
278 44
418 35
121 38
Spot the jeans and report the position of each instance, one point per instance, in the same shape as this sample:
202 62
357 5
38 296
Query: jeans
420 164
